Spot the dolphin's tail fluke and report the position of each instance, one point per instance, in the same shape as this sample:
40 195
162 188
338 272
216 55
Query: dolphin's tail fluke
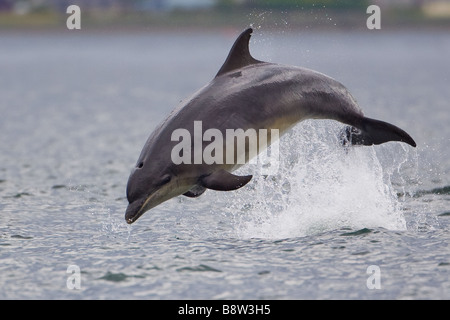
371 131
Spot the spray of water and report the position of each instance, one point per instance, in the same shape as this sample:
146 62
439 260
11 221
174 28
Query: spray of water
320 186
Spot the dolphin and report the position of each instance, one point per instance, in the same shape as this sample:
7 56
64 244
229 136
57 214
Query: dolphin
246 93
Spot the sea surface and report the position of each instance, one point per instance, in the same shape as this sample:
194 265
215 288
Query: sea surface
76 108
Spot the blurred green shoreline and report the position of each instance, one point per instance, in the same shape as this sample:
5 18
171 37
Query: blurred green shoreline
317 19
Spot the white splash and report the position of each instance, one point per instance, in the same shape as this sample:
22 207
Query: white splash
320 186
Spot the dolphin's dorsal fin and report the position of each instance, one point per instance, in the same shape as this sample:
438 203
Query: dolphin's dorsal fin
239 55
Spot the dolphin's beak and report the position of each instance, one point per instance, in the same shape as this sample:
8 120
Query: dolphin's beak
138 207
134 210
142 205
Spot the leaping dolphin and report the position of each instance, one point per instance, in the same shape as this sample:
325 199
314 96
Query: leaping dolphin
246 93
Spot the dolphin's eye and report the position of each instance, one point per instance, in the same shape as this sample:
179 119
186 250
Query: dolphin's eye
140 165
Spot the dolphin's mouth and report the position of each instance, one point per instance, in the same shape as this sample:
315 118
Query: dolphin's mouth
139 207
135 210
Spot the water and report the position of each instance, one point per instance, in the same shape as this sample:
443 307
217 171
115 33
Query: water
76 109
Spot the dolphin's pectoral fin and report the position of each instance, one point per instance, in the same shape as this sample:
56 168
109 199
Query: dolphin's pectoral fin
371 131
222 180
195 192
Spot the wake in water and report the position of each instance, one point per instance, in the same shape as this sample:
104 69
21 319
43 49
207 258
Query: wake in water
320 186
